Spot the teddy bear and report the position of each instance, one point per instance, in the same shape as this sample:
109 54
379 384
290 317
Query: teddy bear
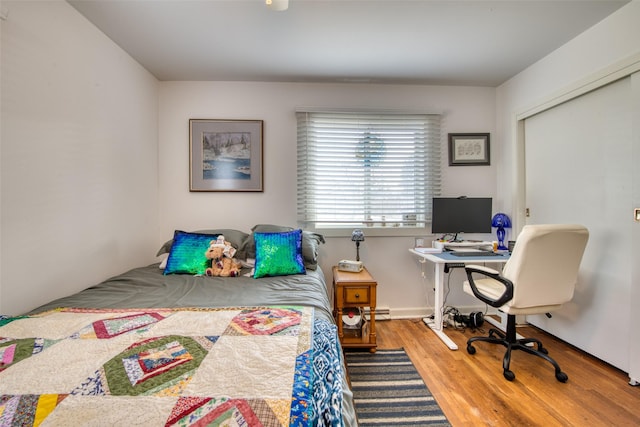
221 254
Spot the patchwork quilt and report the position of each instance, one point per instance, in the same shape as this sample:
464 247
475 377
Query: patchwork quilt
252 366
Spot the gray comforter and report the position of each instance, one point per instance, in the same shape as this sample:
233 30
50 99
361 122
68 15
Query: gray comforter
147 287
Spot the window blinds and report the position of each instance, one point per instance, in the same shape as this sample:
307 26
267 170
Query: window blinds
373 169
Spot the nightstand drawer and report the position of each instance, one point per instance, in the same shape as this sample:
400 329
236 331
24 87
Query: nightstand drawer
356 295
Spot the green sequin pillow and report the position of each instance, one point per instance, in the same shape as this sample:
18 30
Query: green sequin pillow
187 254
278 254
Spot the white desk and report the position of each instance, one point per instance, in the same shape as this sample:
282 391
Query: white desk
439 260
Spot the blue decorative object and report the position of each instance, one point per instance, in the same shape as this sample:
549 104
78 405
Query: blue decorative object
501 221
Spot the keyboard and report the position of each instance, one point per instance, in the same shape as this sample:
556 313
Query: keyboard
466 244
474 253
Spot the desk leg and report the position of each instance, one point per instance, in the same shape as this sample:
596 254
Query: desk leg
440 333
436 323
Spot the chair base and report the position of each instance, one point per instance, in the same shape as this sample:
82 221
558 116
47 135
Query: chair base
511 343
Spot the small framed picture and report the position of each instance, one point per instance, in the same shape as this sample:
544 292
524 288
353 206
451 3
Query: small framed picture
469 149
225 155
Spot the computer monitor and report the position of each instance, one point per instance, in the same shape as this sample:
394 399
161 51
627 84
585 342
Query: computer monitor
453 215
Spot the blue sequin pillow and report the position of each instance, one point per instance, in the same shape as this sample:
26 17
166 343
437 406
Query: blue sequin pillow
187 254
278 254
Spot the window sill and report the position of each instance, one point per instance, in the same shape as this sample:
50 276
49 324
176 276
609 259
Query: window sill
374 231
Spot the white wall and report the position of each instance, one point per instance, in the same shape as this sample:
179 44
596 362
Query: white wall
79 156
615 38
400 287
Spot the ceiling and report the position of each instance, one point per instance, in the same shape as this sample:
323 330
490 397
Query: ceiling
450 42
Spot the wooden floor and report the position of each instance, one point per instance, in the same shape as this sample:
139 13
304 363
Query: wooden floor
472 391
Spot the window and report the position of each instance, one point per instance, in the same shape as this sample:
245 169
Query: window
367 169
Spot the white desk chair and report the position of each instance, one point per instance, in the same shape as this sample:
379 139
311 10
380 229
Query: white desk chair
539 277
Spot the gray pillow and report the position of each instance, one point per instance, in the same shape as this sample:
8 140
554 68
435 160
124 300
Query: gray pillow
310 244
236 237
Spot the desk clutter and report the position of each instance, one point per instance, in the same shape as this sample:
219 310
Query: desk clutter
475 253
464 248
466 245
428 250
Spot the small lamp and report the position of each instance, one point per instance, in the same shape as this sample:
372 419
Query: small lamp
501 221
357 236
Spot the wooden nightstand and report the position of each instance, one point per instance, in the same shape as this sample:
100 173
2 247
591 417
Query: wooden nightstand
351 290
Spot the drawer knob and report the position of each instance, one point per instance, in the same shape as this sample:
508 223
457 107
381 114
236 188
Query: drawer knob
357 295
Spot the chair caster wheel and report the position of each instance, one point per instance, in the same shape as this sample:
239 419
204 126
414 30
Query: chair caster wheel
471 349
562 377
509 375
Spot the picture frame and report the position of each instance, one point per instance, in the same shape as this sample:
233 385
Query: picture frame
469 149
225 155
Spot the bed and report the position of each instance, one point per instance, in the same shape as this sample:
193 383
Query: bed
157 346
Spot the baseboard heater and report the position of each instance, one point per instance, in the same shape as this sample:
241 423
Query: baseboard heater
382 313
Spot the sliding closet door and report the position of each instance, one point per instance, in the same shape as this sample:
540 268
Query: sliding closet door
579 169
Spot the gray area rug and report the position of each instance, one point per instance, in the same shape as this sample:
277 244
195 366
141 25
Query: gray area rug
388 391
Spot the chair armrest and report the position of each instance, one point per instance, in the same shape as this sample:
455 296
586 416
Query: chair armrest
506 296
483 269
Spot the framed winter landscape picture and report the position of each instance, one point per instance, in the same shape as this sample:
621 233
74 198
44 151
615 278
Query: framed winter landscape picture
225 155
